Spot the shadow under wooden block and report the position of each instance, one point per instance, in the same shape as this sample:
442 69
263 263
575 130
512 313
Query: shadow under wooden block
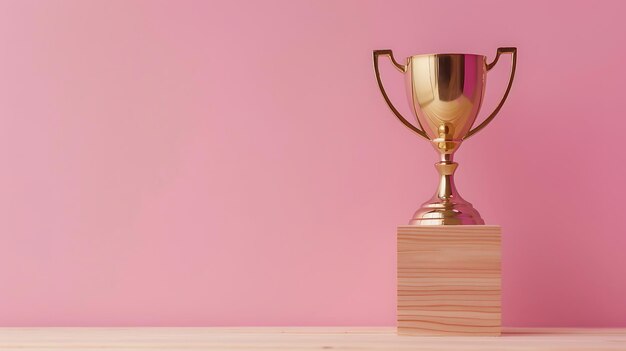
449 280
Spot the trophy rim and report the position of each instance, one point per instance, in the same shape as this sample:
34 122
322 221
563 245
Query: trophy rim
448 54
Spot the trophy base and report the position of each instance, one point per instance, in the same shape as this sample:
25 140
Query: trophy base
438 212
449 280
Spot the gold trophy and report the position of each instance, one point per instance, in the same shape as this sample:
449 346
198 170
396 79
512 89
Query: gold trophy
445 93
448 261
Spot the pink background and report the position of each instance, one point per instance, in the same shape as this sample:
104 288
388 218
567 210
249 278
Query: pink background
233 163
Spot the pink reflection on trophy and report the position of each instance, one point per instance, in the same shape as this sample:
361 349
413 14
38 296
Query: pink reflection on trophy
469 82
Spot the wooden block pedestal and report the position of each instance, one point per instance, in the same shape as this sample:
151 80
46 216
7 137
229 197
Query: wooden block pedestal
449 280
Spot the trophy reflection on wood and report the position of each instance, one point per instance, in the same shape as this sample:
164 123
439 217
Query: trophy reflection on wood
448 260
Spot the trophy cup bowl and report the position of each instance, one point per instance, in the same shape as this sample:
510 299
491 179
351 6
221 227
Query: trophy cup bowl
445 92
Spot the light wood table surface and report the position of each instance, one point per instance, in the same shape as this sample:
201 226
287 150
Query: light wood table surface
301 338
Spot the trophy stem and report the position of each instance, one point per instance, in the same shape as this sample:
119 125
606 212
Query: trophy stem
446 168
446 207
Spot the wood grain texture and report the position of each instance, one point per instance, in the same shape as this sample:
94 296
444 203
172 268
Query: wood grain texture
449 280
302 339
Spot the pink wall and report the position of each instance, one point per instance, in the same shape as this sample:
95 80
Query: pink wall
233 163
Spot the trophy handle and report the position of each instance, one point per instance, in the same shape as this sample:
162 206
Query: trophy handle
501 51
401 68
